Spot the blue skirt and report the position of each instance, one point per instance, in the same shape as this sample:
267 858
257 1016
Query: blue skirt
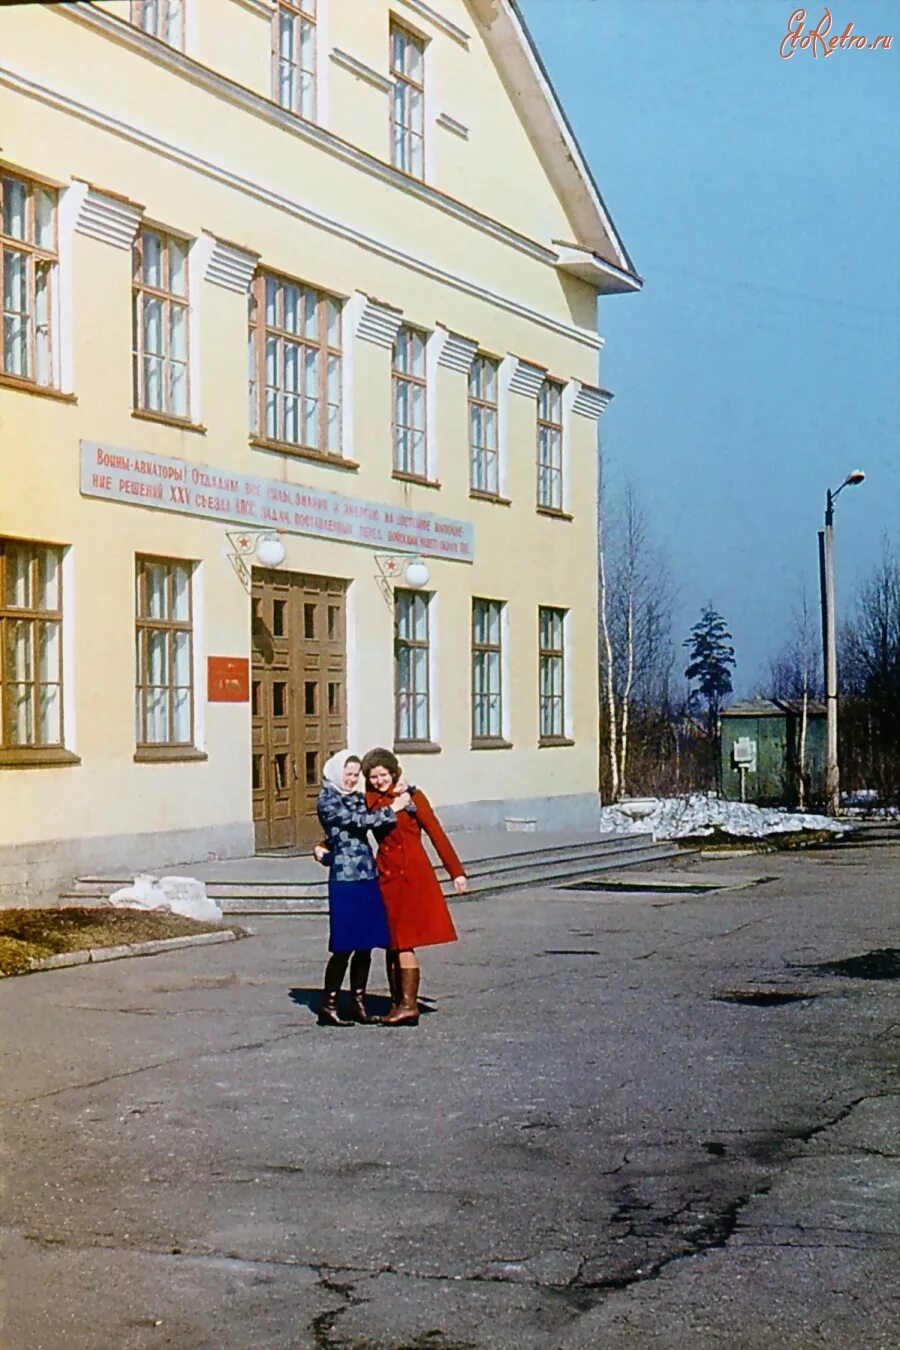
357 917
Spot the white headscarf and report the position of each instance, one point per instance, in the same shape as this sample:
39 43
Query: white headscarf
333 773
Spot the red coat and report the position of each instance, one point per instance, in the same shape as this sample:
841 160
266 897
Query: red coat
417 912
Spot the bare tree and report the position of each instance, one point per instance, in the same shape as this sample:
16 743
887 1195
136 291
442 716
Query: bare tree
870 679
636 641
795 674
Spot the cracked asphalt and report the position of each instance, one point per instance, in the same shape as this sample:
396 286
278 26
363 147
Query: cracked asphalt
598 1136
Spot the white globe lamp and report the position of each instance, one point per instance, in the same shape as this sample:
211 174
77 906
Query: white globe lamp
270 551
416 574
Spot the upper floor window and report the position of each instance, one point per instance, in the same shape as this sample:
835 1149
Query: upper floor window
163 19
160 324
551 673
164 665
412 693
294 55
409 415
484 455
408 101
295 365
549 446
30 645
28 262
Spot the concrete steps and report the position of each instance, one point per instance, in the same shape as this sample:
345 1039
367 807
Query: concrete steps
490 875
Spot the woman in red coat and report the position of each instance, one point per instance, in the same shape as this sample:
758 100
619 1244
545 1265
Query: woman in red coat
417 912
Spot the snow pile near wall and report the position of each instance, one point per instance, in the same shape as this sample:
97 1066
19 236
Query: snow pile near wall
699 816
178 895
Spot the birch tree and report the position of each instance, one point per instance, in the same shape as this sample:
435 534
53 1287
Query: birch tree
635 634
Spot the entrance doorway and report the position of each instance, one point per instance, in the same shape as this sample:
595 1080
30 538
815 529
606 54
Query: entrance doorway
298 694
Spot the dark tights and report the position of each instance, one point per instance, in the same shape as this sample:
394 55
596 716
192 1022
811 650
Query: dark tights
337 966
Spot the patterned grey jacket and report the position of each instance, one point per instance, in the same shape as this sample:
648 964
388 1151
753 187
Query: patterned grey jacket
346 821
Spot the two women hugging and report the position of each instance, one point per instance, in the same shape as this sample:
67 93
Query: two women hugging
391 900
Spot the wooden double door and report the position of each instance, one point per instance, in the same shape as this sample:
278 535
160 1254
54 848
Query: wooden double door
298 695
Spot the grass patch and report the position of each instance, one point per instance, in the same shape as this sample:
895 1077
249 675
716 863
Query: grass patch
27 935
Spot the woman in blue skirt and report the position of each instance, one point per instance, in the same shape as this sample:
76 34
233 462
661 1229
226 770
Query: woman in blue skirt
357 920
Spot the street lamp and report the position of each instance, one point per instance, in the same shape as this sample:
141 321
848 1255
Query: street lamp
829 641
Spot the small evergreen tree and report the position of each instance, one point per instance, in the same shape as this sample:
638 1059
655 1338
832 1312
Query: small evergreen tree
711 655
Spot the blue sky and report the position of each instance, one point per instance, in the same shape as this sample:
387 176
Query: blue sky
760 200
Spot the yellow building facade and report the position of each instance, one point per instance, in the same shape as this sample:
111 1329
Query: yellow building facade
298 423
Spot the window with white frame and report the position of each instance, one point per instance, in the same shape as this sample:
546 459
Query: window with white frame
295 365
160 324
408 101
551 672
164 661
549 446
163 19
31 670
487 670
29 260
484 453
412 717
409 403
294 56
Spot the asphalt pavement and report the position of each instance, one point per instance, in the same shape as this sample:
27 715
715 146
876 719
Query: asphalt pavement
627 1119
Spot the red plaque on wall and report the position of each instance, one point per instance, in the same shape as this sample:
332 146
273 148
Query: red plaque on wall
228 679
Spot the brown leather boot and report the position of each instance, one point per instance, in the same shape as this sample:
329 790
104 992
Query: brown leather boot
406 1014
358 1011
360 964
328 1011
392 970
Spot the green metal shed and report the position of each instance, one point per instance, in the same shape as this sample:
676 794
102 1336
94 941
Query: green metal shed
760 752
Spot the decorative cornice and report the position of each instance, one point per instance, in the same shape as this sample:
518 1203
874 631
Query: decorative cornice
597 272
456 352
264 8
113 220
591 401
440 21
361 70
294 207
450 124
527 378
230 266
378 323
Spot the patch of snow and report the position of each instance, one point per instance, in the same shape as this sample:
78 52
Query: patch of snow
699 815
177 895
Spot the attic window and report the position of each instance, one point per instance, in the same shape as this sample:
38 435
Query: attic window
408 101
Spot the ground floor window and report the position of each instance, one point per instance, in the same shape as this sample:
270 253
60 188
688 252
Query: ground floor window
412 712
551 672
30 645
164 660
487 670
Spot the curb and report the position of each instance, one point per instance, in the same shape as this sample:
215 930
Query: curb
82 958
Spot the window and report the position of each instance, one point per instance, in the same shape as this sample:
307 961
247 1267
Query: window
164 661
487 673
30 645
484 456
551 673
294 56
28 262
412 720
409 437
408 101
295 365
549 446
163 19
160 324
